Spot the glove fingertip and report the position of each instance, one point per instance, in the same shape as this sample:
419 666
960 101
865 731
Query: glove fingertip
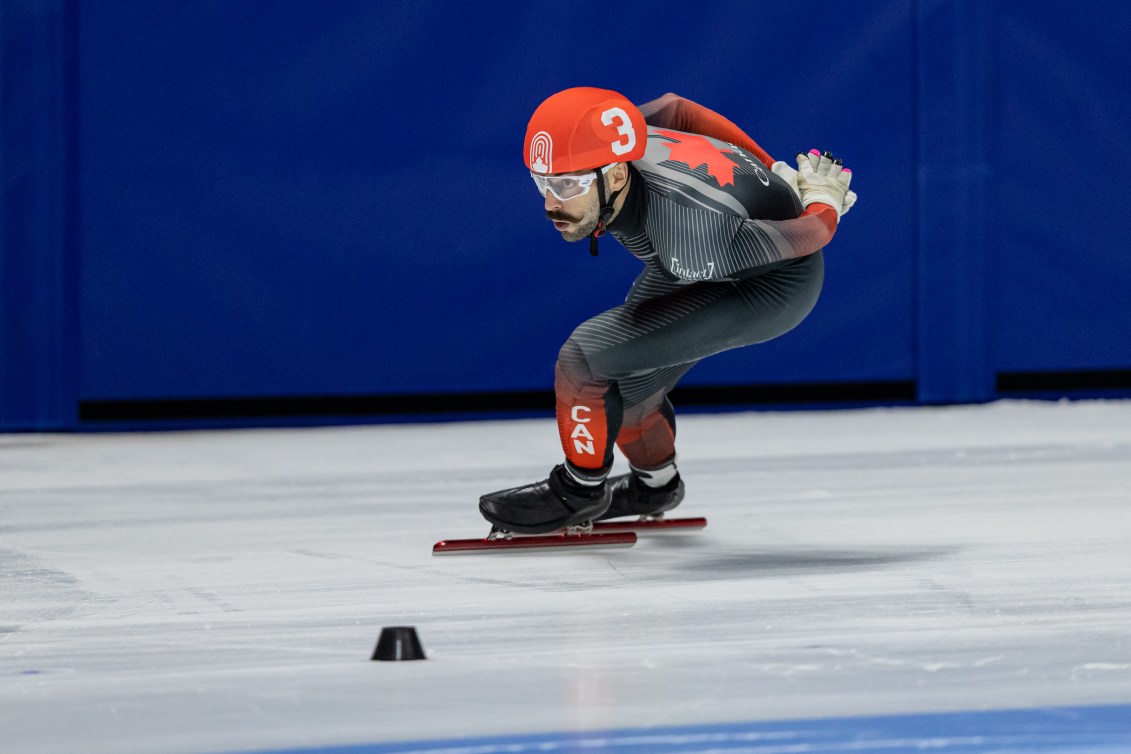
782 169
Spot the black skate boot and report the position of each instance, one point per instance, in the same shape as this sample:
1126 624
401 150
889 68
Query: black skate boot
553 503
631 497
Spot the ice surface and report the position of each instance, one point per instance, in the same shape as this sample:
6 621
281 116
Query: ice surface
223 591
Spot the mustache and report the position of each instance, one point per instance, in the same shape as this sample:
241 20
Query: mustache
550 215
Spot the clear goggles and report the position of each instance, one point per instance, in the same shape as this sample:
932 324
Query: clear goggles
566 187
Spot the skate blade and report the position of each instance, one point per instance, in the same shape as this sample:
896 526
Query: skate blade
535 542
650 525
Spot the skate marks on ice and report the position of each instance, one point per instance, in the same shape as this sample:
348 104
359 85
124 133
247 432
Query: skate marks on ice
33 591
920 458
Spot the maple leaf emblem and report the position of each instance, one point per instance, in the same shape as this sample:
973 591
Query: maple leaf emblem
695 150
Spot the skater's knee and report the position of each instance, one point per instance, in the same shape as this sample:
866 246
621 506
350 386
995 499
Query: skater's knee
573 363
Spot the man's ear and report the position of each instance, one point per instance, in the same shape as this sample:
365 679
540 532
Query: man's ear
618 176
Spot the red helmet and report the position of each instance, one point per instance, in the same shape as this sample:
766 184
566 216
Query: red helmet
584 129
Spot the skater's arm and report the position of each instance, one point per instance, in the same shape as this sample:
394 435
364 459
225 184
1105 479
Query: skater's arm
755 243
707 245
788 239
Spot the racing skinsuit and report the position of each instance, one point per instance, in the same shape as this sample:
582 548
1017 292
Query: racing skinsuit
729 260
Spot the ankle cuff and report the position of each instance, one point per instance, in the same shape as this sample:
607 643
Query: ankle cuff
586 477
656 477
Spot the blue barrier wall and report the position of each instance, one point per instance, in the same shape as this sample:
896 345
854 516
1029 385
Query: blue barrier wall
293 199
39 264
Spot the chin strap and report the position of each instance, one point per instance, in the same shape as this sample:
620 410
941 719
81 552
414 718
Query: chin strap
604 215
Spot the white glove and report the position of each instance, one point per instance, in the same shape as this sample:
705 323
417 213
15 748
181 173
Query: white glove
811 164
787 174
826 182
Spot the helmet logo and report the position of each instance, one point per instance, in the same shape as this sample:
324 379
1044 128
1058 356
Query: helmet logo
542 153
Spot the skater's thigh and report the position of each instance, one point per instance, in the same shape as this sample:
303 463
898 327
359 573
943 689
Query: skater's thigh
699 320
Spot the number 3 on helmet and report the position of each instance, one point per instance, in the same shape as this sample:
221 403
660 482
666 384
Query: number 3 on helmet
583 128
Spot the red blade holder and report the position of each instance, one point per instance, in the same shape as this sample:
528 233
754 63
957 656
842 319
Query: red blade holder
528 543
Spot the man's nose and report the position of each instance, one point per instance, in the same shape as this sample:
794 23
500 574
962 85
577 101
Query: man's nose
551 202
